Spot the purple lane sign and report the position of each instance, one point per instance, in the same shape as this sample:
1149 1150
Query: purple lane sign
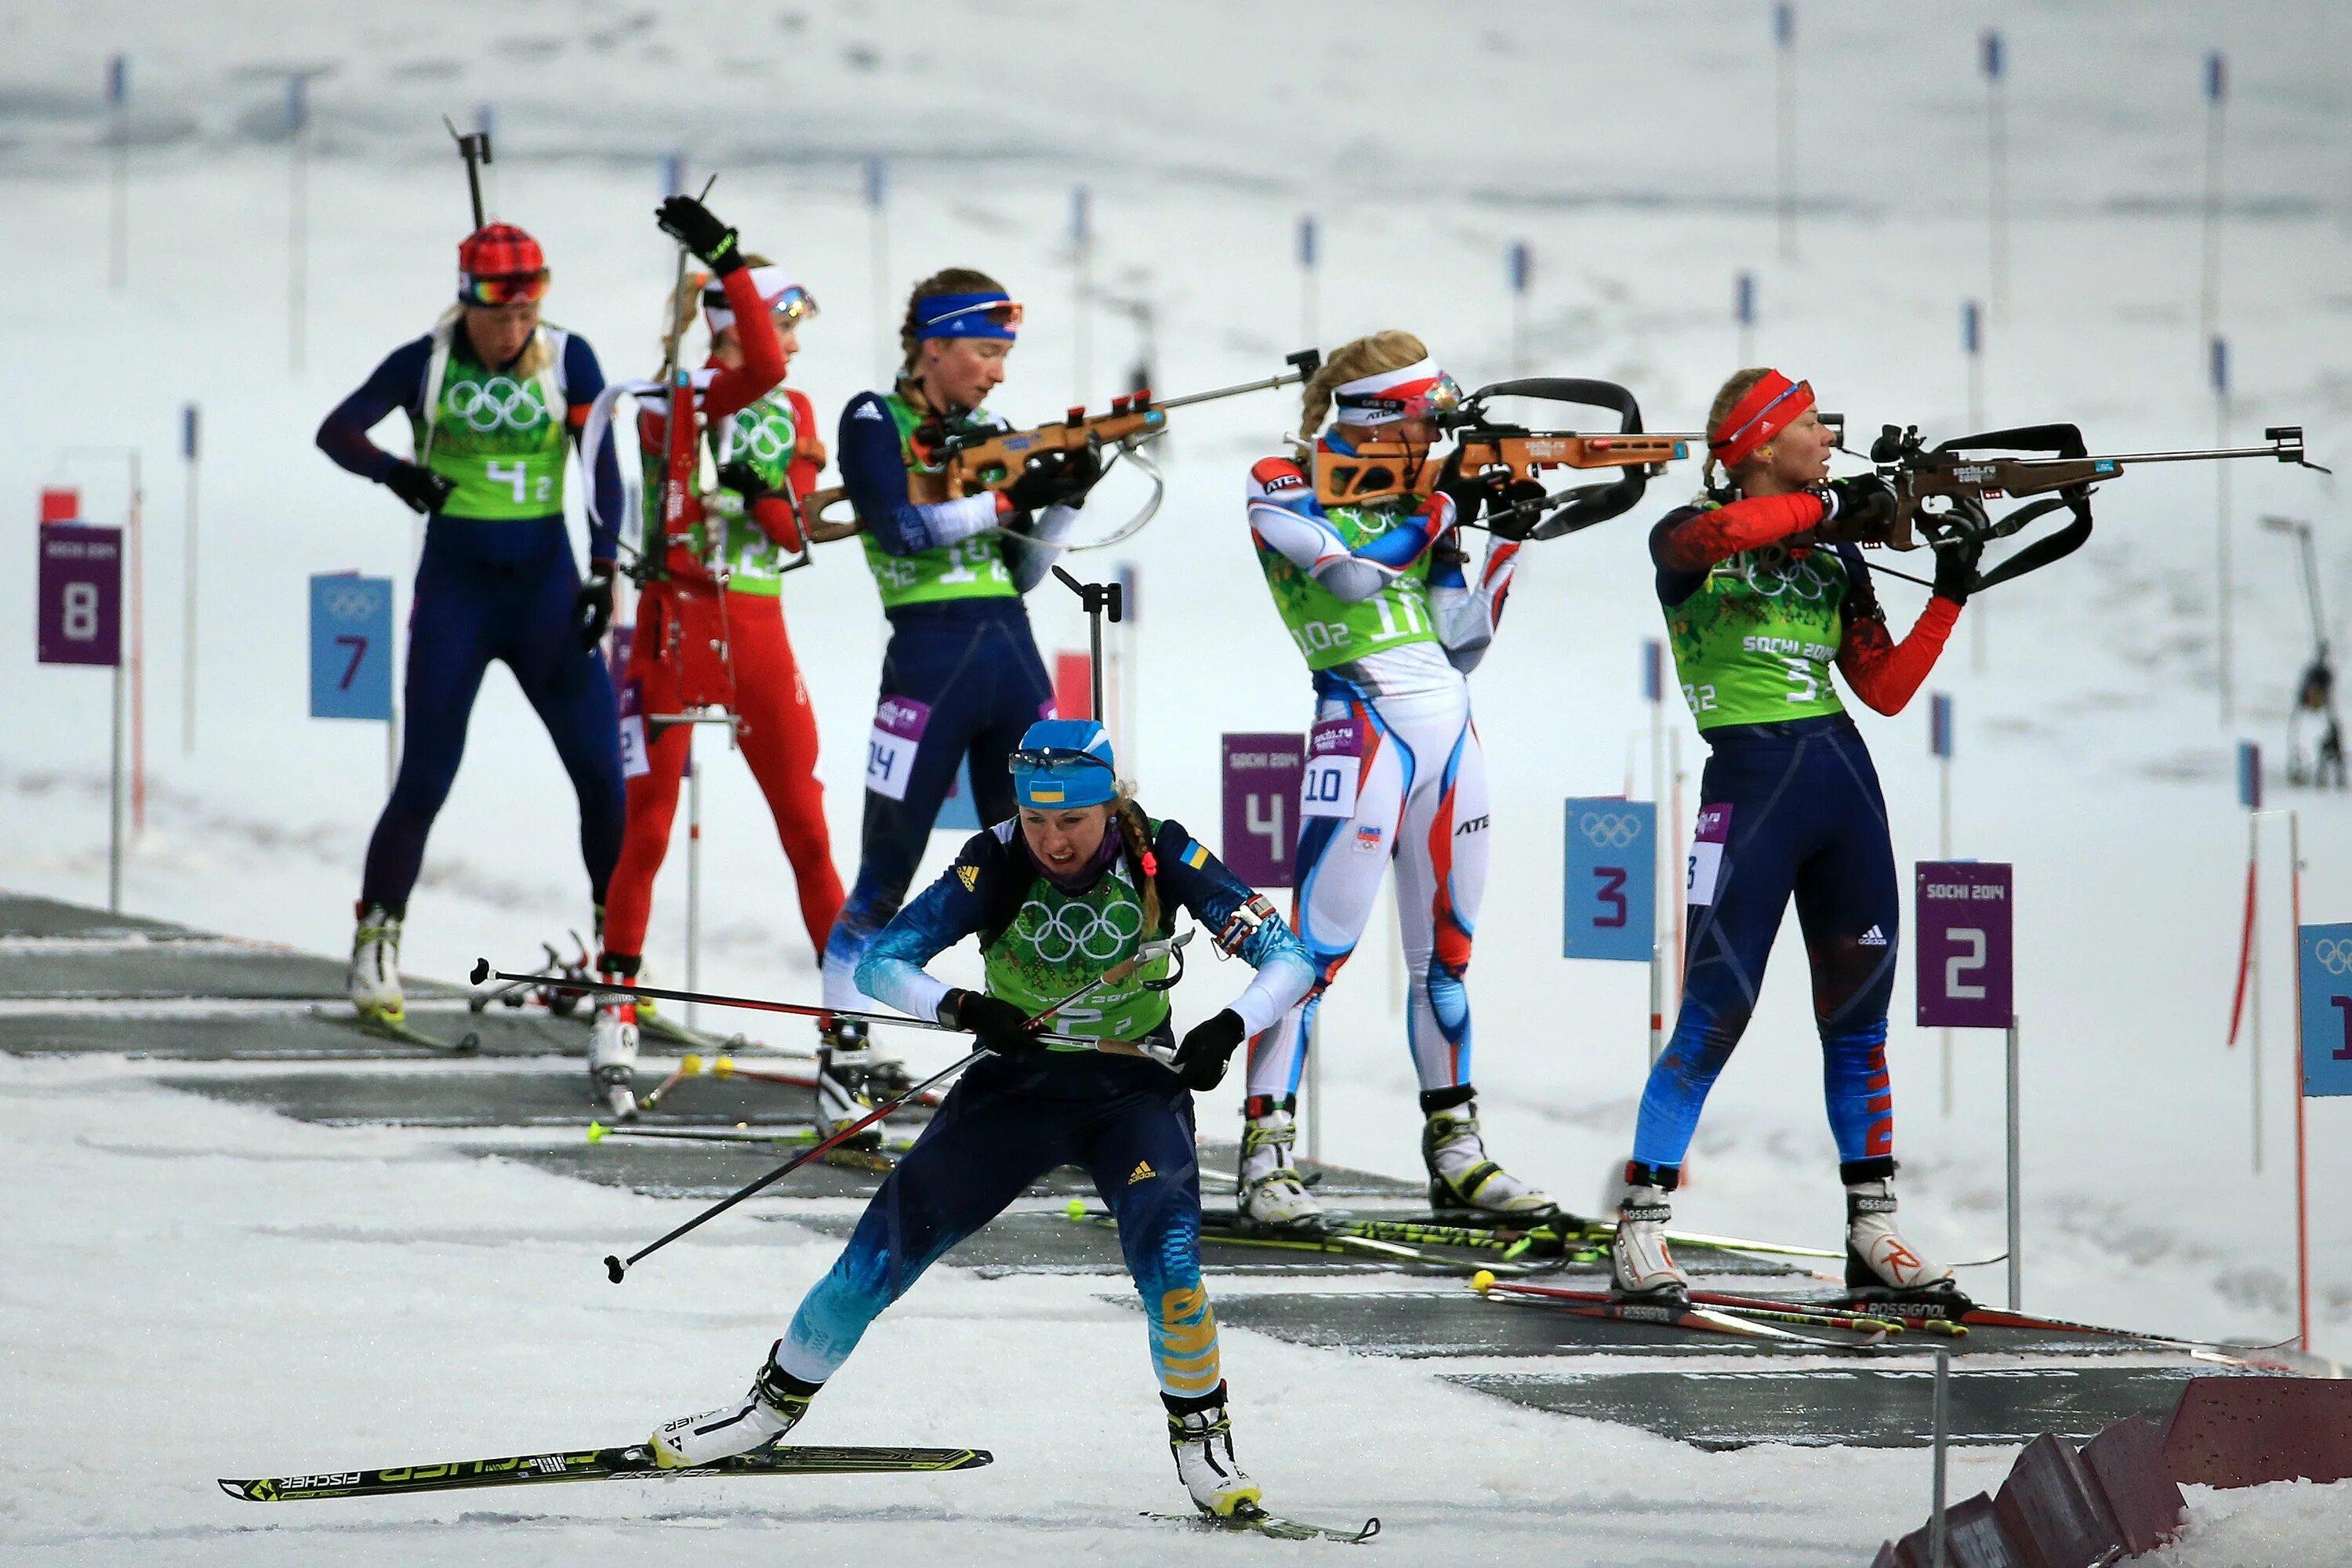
1964 926
80 594
1263 777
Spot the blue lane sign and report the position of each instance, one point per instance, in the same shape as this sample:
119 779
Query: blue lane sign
351 647
2325 981
1611 893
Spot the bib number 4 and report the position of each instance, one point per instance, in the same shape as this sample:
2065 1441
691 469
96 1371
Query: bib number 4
518 477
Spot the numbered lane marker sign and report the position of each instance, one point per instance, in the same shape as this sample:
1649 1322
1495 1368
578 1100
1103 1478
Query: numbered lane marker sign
2324 978
1964 924
1265 777
80 592
351 647
1610 884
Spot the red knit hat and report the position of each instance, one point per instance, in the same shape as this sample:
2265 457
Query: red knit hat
497 264
1770 406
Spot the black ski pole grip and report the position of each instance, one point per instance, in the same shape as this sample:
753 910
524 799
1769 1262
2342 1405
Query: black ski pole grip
481 970
614 1269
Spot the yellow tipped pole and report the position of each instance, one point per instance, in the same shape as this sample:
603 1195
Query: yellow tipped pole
725 1066
595 1133
691 1067
1483 1281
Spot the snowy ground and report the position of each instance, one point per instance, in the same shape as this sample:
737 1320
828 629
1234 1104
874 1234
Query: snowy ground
402 1284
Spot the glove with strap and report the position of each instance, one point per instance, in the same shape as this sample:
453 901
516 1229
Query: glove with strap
695 227
420 488
1206 1049
1468 492
995 1023
591 607
1855 510
1053 477
1956 565
1515 525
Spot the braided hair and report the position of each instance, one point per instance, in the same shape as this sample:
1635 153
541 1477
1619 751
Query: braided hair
1359 357
1135 828
1741 384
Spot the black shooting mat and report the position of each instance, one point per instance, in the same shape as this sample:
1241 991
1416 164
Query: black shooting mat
324 1032
467 1095
1419 1323
1880 1403
27 915
160 971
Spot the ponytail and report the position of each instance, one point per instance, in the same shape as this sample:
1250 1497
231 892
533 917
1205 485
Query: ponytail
1351 362
1135 829
1741 384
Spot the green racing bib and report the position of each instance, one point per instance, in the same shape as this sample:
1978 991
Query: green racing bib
969 569
1755 643
1060 941
494 434
1327 629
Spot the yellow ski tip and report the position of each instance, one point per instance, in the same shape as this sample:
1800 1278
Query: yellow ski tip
1483 1281
691 1067
1076 1208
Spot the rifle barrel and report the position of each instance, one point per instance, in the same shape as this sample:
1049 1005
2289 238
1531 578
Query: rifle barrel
2275 449
1268 385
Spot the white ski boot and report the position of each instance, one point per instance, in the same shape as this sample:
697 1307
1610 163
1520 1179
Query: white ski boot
1878 1261
1639 1262
851 1080
374 977
1461 1176
1271 1191
1203 1441
773 1406
613 1057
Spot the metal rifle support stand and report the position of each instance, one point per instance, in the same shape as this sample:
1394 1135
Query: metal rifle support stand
474 146
114 803
693 876
1097 599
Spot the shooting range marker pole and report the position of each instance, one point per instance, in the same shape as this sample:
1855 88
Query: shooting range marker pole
1972 336
877 241
1264 778
298 215
1653 691
1784 39
2217 85
138 532
693 873
1743 311
1307 256
191 419
2305 946
118 136
1521 268
1940 746
1964 915
2247 1004
2226 589
1997 131
1081 255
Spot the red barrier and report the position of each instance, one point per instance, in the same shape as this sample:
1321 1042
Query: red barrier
2127 1461
2245 1431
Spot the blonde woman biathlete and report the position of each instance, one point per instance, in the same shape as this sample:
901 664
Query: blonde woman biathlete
1376 598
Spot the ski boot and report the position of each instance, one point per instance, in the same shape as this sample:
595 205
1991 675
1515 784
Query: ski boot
851 1080
1201 1435
613 1057
1639 1261
1271 1192
773 1406
1461 1177
1880 1266
374 977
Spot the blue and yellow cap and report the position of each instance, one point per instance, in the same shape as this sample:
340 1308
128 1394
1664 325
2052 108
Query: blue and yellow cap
1064 763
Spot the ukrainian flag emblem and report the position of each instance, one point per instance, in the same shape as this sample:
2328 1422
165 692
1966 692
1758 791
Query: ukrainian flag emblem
1045 794
1196 855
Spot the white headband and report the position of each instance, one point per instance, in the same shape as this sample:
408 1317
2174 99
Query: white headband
770 282
1370 399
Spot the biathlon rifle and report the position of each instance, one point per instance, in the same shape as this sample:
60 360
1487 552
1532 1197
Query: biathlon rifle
474 146
962 461
1506 452
1940 491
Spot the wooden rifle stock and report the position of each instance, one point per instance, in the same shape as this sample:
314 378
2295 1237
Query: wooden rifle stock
1379 469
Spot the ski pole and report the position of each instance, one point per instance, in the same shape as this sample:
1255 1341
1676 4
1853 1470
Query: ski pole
617 1267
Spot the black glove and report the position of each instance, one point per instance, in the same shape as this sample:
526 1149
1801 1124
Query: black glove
995 1023
1054 477
1859 510
420 488
745 481
1956 569
591 607
1208 1046
692 225
1469 492
1516 525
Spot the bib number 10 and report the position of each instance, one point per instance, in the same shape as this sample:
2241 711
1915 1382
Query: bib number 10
518 476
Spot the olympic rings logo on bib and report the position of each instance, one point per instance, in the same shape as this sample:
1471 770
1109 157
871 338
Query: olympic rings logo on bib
1608 830
1801 577
484 405
1082 931
765 437
2336 957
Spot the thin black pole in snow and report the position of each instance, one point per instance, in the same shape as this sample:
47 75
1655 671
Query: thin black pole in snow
1743 310
1307 279
2220 366
2217 87
1522 272
878 214
1082 243
1098 599
118 106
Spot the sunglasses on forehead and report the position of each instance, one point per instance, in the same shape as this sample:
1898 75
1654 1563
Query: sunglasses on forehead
504 288
1049 758
1003 313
